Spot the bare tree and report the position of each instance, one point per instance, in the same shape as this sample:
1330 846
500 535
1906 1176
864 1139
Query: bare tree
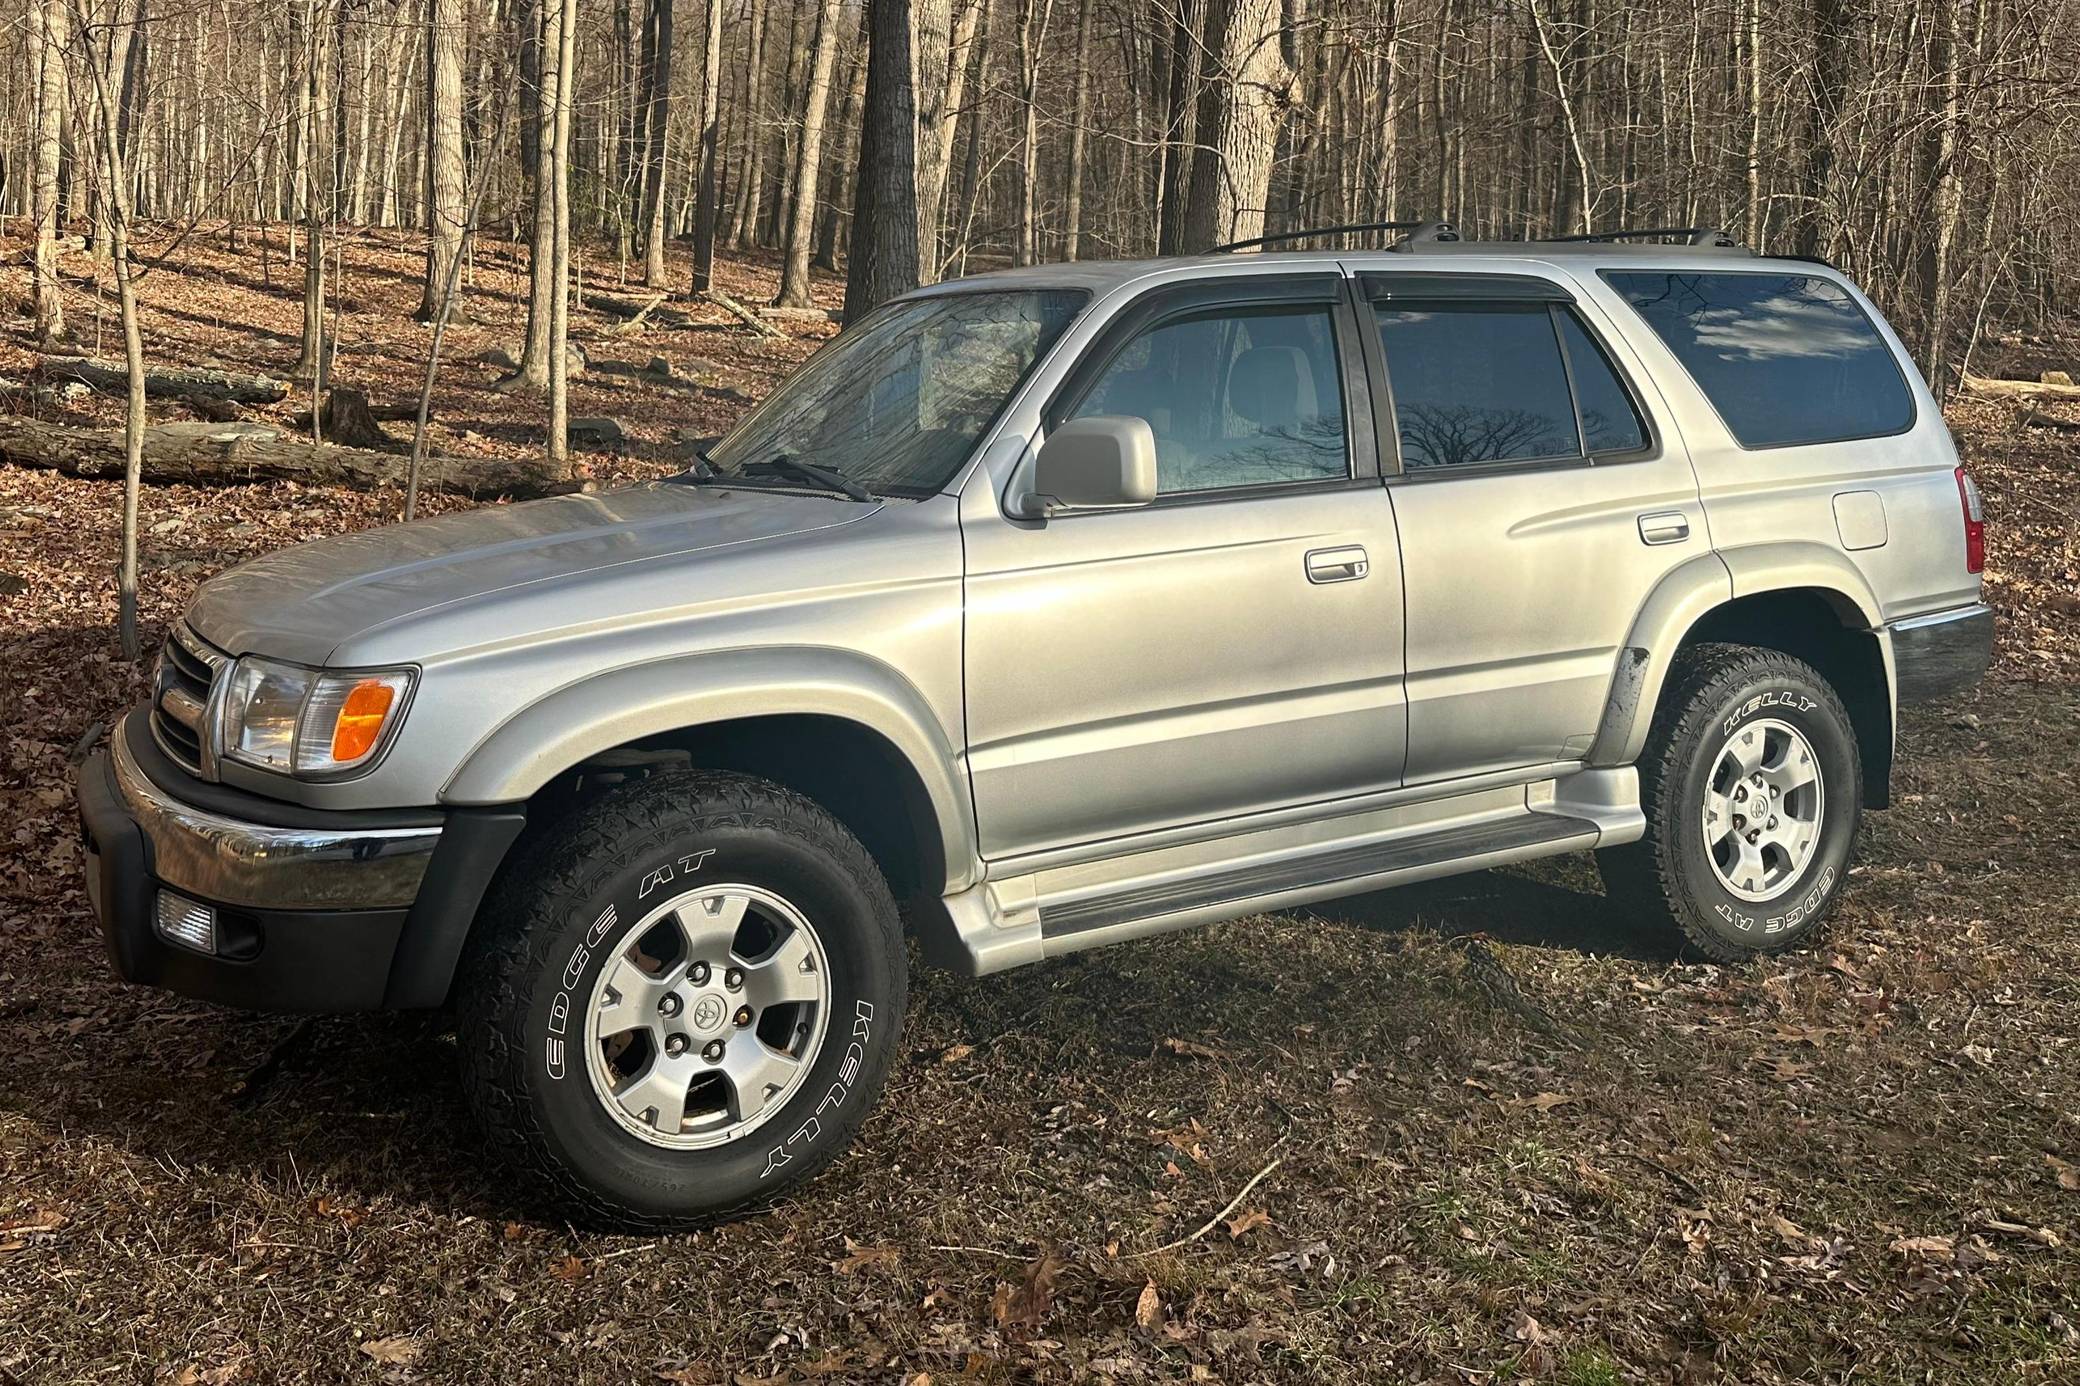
446 177
801 222
707 212
883 262
49 29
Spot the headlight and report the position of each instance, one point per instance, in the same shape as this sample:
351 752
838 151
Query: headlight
308 721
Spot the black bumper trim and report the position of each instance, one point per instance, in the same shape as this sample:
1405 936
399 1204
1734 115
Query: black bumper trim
291 960
1934 657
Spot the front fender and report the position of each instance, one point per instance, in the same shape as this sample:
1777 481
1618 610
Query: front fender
611 709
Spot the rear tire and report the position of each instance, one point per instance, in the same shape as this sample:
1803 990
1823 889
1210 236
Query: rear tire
685 1004
1753 790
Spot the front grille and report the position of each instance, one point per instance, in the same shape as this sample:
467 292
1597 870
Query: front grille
187 670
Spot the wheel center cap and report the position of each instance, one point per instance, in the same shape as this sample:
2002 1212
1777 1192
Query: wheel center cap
708 1014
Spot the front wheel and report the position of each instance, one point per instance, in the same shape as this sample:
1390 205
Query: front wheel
687 1004
1752 789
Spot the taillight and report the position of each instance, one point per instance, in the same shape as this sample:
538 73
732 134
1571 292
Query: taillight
1974 522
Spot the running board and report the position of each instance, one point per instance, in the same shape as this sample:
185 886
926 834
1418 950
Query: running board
1316 876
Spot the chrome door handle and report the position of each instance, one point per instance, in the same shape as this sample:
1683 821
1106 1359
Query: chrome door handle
1337 565
1664 527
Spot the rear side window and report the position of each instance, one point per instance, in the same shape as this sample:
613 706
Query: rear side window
1784 358
1490 382
1477 384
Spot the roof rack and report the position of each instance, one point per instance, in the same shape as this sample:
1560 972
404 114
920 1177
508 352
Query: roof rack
1694 235
1431 234
1416 228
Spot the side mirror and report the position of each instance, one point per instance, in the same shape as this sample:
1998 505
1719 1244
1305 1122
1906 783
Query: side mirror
1105 462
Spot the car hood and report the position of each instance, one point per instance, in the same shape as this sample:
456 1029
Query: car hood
307 602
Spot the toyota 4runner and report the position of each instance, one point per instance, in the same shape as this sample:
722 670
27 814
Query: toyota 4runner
1064 606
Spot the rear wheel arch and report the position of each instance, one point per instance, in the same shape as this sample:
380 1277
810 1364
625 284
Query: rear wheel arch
1831 626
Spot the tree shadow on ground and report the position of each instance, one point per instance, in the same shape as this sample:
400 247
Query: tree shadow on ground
1561 906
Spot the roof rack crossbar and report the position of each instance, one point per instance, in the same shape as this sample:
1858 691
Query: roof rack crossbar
1311 231
1694 235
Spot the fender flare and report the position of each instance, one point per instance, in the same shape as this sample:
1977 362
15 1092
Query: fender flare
1691 591
605 710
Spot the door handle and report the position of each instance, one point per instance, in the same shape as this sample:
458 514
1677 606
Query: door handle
1337 565
1664 527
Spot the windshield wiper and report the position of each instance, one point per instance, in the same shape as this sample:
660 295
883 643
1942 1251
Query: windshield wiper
820 476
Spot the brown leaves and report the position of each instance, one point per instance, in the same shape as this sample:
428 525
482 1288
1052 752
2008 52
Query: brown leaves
1148 1309
2067 1175
1246 1222
1024 1305
570 1268
392 1352
1191 1049
859 1257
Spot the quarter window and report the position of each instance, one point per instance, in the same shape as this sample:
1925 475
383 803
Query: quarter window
1610 421
1784 358
1477 384
1234 398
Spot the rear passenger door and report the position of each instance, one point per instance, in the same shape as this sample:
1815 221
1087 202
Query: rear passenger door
1538 500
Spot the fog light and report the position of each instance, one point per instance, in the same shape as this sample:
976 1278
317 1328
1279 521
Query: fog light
187 922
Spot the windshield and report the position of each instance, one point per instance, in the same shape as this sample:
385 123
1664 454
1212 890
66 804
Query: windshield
898 401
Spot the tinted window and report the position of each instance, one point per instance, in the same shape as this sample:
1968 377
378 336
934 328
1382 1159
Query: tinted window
1784 358
898 401
1234 398
1610 423
1477 385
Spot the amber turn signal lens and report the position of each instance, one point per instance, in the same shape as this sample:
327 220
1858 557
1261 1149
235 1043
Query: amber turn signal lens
361 719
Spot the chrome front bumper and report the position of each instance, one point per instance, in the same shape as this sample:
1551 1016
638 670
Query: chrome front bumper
232 862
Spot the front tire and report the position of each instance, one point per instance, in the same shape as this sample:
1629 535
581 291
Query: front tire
685 1004
1753 790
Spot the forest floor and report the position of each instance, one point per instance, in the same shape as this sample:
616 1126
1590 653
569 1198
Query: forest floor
1495 1133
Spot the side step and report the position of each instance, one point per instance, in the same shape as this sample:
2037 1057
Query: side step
1345 870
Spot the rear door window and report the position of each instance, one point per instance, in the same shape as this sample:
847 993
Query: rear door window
1784 358
1477 384
1484 382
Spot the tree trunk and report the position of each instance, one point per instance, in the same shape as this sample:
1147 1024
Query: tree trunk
196 385
49 35
208 454
446 177
657 125
319 21
883 262
801 221
566 34
707 211
933 20
744 220
1072 208
540 58
1232 186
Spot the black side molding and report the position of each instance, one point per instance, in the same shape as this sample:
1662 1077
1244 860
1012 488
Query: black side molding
472 847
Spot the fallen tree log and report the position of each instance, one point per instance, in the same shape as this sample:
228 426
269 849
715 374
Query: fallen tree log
168 382
1983 385
211 454
802 314
634 312
742 314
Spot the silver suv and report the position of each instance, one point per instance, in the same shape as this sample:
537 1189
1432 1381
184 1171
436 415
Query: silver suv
1062 606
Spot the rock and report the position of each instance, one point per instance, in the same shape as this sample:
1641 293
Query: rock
12 586
597 433
499 357
575 360
658 365
2055 378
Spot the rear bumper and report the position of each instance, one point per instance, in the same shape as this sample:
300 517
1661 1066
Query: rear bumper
1937 655
313 911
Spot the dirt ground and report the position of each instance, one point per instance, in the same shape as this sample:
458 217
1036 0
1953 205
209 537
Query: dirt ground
1476 1131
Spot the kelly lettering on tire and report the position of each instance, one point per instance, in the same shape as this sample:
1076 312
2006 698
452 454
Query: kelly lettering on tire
848 1071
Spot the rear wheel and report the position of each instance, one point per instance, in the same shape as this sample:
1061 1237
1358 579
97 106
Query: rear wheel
687 1004
1752 790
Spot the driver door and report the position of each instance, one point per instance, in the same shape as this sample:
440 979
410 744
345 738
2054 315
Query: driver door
1233 647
